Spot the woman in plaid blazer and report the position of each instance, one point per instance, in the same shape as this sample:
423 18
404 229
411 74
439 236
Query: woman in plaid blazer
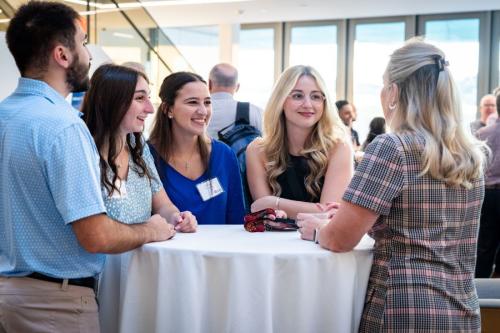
418 192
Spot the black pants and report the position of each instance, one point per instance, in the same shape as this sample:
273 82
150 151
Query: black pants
489 233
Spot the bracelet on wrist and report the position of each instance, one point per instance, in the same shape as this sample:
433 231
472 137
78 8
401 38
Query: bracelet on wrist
277 203
316 235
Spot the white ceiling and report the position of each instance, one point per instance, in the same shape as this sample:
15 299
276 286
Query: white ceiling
260 11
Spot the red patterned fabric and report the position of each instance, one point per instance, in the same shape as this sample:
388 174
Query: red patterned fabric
260 221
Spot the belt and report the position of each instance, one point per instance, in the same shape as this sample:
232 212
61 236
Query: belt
492 187
89 282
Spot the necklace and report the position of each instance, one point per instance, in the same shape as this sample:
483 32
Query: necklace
185 163
122 158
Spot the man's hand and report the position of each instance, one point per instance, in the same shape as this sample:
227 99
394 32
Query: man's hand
160 229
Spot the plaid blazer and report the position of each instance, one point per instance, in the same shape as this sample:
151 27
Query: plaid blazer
422 278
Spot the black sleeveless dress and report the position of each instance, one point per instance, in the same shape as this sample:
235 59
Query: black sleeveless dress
292 181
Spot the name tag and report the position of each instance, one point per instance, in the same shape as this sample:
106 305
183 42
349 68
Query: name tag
209 189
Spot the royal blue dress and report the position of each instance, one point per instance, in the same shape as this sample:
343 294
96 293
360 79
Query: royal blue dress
224 208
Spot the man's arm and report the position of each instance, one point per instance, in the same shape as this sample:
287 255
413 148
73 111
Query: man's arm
101 234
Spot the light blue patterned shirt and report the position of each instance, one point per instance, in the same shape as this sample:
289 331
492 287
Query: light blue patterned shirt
49 178
133 204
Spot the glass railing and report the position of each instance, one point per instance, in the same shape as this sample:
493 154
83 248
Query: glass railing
124 34
132 35
6 12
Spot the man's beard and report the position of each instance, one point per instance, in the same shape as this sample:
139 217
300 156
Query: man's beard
77 77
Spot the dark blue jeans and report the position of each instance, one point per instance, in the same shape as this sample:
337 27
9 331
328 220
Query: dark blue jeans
489 233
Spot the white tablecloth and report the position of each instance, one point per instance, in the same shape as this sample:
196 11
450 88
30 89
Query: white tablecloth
225 279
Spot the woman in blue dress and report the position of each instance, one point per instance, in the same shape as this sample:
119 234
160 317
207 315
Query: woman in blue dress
198 173
114 110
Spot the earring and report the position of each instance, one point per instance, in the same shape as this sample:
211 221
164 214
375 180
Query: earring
392 106
170 116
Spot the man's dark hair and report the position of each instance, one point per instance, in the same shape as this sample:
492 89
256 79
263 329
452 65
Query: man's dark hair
35 30
340 104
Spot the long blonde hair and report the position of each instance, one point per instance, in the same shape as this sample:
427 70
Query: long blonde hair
323 137
428 103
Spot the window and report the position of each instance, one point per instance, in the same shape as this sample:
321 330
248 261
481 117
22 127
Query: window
495 54
459 40
316 45
373 44
199 45
256 65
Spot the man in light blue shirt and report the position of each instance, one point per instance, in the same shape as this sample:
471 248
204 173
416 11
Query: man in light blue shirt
53 226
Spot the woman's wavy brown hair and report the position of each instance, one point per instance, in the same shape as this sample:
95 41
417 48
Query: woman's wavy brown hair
161 134
111 92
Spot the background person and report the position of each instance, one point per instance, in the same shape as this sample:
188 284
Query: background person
303 157
198 173
376 127
130 184
489 228
487 107
347 114
419 194
223 84
135 65
491 119
54 228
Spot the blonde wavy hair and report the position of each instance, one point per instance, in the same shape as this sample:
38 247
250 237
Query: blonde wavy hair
327 132
428 103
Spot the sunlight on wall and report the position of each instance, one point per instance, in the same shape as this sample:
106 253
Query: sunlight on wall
372 47
256 65
316 46
459 40
199 45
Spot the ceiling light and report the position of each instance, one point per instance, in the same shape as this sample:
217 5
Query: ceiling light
123 35
98 11
176 3
84 3
152 3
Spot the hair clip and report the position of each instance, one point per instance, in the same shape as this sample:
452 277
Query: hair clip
441 62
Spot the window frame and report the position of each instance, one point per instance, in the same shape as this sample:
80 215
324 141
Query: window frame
278 42
341 46
410 31
495 51
484 43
